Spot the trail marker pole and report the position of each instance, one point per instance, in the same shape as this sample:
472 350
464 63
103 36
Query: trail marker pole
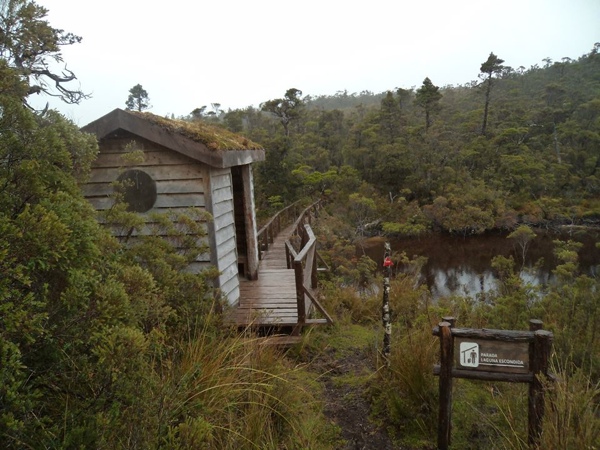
385 309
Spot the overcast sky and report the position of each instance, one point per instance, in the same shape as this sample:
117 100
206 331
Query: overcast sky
240 53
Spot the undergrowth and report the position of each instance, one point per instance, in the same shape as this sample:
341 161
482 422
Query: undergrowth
485 415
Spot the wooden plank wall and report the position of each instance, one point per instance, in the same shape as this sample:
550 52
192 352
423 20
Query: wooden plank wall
240 211
180 181
225 259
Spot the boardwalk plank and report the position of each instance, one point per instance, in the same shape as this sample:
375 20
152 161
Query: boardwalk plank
271 299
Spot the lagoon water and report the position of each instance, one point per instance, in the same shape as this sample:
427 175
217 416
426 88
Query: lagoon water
462 266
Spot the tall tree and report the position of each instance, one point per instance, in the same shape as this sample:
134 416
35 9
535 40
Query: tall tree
286 109
428 97
332 131
29 44
138 99
403 96
490 68
389 116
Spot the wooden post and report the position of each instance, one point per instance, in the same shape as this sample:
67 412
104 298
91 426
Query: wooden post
445 385
304 236
288 257
314 281
539 360
250 226
264 244
535 325
299 276
532 407
385 309
451 320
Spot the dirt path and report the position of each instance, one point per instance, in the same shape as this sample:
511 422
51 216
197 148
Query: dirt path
344 376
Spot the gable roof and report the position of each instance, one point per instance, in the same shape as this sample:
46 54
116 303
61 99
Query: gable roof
208 144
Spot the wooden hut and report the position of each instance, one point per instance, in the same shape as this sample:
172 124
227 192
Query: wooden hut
185 164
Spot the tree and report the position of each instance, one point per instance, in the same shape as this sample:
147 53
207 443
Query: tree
428 97
332 131
361 210
522 237
49 243
287 109
403 96
138 99
84 322
470 207
234 120
29 44
202 113
389 115
492 66
198 113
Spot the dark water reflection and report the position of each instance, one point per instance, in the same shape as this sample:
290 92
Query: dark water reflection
462 266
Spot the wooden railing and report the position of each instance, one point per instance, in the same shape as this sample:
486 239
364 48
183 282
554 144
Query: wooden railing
304 263
271 229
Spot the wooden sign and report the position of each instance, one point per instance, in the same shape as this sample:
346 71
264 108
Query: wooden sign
491 356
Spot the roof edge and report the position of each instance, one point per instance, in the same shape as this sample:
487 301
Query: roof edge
119 119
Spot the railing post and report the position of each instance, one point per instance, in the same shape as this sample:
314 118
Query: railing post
265 238
304 236
314 282
299 276
288 257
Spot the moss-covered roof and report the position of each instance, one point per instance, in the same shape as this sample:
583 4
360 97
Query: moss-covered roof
214 137
198 140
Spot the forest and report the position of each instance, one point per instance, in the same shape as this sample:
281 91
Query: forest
518 146
104 345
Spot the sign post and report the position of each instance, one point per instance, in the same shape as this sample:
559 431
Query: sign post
492 355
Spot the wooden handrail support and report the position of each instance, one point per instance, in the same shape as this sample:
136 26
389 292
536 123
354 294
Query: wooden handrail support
290 254
305 267
302 218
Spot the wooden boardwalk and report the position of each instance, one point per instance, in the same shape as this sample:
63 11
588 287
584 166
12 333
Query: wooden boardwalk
271 299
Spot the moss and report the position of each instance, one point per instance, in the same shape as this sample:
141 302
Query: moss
214 137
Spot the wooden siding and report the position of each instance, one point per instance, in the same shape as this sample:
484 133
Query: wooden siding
180 180
223 235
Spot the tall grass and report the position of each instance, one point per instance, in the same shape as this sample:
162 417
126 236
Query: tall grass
572 416
236 393
489 415
405 394
410 388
